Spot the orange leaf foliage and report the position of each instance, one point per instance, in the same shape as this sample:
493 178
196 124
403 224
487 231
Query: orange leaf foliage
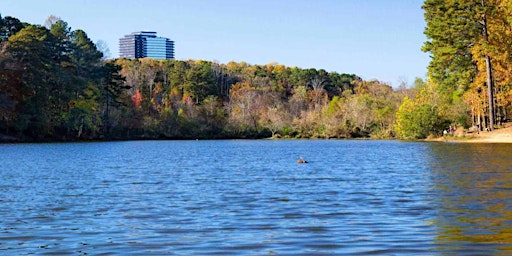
137 98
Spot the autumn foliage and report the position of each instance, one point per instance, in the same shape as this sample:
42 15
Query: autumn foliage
65 91
469 76
137 99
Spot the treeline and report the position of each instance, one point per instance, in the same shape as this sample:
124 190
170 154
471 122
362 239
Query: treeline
201 99
54 85
470 82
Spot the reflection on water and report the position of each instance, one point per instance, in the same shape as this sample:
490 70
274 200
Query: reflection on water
473 192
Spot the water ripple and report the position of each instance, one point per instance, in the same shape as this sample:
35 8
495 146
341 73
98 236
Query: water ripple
251 198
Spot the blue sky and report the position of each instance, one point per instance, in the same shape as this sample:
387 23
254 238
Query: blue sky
375 39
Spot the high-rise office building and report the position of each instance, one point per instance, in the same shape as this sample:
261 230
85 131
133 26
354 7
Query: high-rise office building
146 44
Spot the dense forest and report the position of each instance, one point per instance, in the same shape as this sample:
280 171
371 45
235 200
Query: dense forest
55 85
470 73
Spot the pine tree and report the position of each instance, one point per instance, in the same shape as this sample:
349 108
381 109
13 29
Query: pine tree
460 45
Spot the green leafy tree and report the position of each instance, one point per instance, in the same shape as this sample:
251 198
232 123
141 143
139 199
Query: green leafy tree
113 90
452 29
84 116
30 56
199 81
415 121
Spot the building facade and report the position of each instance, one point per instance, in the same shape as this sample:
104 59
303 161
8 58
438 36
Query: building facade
146 44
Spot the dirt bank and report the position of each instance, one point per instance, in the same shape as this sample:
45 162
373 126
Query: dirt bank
501 135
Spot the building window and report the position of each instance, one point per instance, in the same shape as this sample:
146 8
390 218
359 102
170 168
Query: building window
146 44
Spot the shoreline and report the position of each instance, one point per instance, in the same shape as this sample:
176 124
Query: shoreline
501 135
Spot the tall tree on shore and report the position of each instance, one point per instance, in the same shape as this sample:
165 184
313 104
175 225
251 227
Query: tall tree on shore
452 29
466 38
488 65
111 93
30 60
496 49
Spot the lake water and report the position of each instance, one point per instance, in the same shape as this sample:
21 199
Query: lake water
250 197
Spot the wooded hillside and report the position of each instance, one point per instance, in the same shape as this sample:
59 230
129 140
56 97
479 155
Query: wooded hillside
54 85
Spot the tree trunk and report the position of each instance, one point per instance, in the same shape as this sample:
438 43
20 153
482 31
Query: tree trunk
490 92
80 128
479 124
488 67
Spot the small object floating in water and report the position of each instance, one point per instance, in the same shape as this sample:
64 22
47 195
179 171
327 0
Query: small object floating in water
302 161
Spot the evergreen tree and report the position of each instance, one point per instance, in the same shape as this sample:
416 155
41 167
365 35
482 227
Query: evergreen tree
462 46
452 29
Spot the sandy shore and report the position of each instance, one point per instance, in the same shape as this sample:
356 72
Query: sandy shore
502 135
